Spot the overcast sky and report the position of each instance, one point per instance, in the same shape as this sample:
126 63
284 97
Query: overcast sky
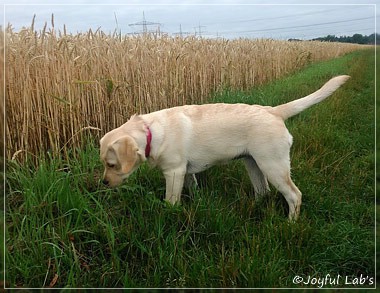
229 19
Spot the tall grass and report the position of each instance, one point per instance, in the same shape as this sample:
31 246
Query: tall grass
60 86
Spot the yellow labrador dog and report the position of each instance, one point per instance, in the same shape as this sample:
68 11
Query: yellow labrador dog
186 140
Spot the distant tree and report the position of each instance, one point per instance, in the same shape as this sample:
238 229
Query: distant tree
330 38
372 39
356 38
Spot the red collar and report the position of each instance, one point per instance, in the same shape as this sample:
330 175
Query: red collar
148 141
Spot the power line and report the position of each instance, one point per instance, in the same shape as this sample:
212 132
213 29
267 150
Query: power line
278 17
298 26
332 28
371 29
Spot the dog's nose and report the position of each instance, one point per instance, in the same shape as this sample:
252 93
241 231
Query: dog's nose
105 182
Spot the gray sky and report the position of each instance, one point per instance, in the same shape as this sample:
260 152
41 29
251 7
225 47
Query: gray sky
229 19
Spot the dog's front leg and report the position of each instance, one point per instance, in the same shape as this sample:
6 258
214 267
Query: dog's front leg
174 184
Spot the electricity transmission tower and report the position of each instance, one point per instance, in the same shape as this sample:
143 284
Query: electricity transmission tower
145 24
199 27
181 33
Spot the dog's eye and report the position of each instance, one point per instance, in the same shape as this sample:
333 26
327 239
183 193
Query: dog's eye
110 165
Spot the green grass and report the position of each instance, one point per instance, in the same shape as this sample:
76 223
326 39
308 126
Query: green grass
60 221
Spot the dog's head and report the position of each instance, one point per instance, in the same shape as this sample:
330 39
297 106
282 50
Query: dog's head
120 156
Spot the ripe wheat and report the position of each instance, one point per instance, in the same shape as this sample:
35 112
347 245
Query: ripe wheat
61 87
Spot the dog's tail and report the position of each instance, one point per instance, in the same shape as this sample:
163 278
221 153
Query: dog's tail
293 108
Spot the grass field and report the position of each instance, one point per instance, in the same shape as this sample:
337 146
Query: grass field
64 229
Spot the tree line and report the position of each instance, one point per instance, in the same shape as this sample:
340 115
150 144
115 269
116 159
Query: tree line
356 39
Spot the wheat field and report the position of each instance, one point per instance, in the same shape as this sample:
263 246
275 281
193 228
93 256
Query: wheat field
62 87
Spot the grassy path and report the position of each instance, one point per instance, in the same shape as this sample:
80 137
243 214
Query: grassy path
63 229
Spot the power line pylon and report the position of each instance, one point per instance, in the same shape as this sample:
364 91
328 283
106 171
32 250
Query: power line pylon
181 33
145 24
199 27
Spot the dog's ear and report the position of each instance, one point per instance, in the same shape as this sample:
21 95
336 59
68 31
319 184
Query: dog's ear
127 153
110 154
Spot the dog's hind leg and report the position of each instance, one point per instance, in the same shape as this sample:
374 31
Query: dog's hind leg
291 193
278 174
272 155
258 179
191 183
